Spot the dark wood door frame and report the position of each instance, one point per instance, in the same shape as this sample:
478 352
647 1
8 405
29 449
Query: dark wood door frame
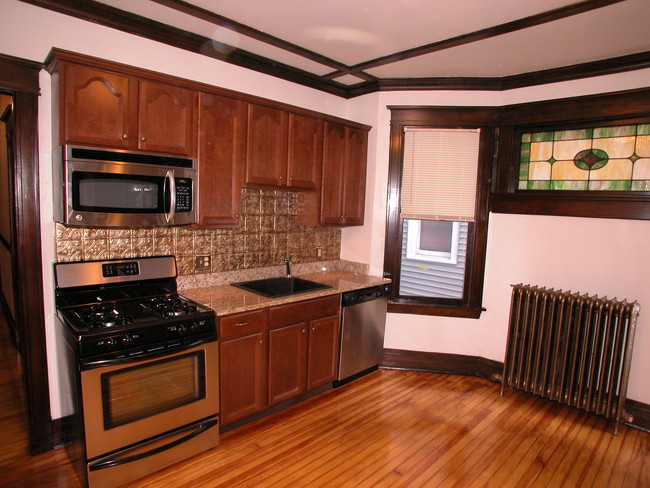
19 78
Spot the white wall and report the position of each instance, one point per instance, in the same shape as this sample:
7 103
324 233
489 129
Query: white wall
595 256
515 243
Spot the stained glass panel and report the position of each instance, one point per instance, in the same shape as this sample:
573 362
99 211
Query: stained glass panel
597 159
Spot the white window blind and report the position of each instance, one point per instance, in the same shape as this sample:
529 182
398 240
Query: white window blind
439 174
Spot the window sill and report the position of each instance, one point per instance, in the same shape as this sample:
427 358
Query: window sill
440 310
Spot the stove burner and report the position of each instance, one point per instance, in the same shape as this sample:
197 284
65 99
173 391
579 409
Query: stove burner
105 315
170 306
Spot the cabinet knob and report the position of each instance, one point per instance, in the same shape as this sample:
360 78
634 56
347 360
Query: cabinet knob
290 178
125 136
279 177
304 330
143 139
236 216
261 341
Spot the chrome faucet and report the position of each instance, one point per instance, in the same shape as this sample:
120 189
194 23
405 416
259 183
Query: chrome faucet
287 263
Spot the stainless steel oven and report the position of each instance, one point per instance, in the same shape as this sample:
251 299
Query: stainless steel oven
143 362
115 188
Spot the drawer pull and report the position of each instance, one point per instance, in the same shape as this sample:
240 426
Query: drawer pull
242 324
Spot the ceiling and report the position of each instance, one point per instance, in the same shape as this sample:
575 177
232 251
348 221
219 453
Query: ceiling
353 47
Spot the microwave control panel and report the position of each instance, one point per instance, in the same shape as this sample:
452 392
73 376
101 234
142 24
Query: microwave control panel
183 195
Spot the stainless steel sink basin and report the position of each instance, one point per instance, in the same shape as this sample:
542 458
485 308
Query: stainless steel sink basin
280 287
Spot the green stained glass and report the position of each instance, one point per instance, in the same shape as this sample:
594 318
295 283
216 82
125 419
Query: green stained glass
603 160
542 136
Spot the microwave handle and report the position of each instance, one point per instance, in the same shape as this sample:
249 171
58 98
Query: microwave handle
170 186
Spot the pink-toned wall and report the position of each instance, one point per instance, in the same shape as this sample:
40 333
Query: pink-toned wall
535 249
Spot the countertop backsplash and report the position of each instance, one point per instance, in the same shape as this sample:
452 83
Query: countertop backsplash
267 235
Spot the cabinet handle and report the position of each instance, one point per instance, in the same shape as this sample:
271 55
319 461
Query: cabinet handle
261 341
143 139
236 216
125 136
242 324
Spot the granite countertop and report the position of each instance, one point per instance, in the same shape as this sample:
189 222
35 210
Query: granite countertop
227 299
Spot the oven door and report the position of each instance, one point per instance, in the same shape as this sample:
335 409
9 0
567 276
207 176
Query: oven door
135 401
121 194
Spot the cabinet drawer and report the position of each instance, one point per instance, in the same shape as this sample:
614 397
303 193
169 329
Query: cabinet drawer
303 311
242 324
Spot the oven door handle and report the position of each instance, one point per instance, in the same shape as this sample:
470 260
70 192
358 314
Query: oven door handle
146 355
112 462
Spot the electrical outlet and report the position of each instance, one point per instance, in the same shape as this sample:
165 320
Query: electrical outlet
319 252
203 261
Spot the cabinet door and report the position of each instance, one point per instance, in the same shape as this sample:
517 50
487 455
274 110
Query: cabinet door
96 106
222 151
323 351
354 177
242 376
267 152
287 362
334 156
167 118
305 152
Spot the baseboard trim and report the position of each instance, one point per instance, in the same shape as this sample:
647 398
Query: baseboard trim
438 362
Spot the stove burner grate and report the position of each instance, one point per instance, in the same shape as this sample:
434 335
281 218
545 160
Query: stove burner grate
170 306
104 316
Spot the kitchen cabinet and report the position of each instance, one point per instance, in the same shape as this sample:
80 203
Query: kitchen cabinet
271 355
303 346
108 108
284 149
243 369
341 197
222 151
344 175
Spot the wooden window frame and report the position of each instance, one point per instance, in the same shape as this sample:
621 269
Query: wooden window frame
613 109
485 118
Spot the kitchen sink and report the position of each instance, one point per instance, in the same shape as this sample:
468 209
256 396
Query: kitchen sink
280 287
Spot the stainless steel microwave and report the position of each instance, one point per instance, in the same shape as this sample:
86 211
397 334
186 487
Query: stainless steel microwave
112 188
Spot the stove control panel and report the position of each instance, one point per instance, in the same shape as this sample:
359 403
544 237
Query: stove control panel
127 268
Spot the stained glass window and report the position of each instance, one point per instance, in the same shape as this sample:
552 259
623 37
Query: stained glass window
603 158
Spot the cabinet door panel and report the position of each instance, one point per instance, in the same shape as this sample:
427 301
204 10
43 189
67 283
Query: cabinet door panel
287 362
167 118
267 152
323 351
222 149
96 105
354 177
242 377
305 152
334 155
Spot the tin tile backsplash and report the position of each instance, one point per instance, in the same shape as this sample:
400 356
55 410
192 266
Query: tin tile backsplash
267 235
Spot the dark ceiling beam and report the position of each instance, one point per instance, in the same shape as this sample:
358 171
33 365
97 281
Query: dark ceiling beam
219 20
497 30
108 16
621 64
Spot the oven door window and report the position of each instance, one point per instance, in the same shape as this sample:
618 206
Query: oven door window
119 193
131 394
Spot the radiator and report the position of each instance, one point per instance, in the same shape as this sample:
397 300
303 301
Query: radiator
572 348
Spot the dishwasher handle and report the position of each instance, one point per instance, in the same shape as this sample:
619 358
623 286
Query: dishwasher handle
365 295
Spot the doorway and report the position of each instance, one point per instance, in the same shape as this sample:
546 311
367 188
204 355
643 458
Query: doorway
19 81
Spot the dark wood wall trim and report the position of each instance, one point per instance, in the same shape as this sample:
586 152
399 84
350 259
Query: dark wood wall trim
437 362
20 79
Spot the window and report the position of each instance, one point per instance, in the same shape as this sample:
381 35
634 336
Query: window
437 217
432 240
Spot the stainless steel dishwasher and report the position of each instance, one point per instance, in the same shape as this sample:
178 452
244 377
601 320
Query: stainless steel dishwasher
362 332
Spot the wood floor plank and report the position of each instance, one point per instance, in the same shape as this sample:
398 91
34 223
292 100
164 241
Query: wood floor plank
390 429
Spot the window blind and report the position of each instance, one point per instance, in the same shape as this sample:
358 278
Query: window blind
439 174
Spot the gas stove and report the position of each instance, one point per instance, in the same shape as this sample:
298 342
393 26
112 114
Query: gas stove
123 308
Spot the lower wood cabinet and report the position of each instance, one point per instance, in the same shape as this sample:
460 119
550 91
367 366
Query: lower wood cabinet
274 354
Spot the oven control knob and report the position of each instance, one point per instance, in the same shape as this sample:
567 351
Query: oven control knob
125 339
181 329
106 343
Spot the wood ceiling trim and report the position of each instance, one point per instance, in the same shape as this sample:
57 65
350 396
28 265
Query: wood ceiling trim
112 17
489 32
219 20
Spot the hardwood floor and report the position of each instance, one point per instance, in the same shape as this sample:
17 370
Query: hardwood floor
390 429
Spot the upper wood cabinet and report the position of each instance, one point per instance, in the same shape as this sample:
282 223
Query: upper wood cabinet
222 153
106 108
343 187
284 149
